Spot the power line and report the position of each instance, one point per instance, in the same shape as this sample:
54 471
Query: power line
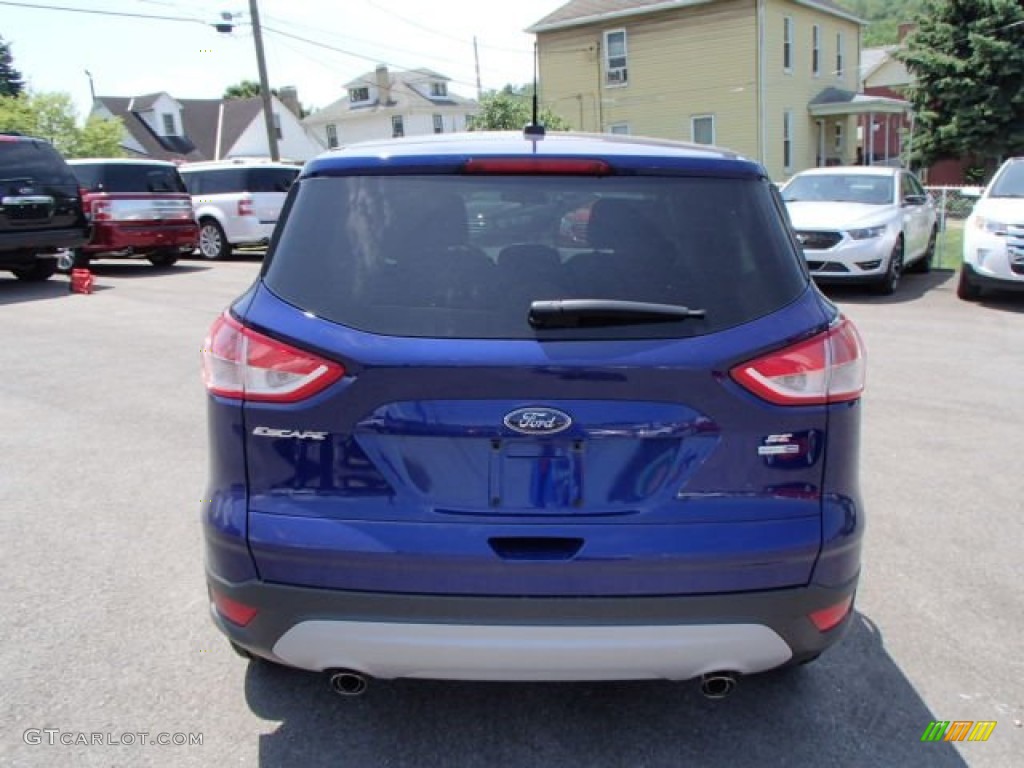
439 33
95 12
353 54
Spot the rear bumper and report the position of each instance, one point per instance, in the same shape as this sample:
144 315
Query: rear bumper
142 238
21 246
515 638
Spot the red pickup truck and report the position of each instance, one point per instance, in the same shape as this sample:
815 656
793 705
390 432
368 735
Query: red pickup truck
138 208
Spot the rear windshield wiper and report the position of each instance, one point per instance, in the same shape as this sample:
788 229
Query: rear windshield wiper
581 313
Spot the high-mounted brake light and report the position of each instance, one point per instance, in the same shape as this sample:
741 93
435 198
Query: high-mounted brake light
828 368
242 364
513 166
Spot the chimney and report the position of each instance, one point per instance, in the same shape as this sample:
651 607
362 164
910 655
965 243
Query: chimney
905 29
383 85
289 96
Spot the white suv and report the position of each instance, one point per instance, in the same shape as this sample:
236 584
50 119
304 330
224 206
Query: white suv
237 202
994 235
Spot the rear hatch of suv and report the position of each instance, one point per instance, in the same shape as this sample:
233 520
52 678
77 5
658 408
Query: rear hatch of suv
134 204
442 396
39 193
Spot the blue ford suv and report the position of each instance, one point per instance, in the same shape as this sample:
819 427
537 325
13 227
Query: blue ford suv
522 407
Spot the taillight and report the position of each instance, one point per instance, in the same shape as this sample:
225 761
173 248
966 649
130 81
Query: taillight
101 210
245 207
830 617
828 368
232 610
240 363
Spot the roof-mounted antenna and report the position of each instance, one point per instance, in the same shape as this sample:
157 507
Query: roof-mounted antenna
534 128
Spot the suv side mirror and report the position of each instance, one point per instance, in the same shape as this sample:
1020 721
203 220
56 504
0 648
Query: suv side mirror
915 199
972 192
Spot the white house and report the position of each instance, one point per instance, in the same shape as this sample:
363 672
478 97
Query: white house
383 104
159 126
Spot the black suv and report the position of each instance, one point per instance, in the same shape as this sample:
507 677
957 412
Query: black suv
40 207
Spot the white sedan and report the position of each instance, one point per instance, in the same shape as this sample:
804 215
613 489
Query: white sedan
994 235
862 223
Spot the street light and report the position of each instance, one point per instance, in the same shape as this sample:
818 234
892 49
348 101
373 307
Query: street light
225 25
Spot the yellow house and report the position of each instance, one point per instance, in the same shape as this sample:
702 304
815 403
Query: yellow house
776 80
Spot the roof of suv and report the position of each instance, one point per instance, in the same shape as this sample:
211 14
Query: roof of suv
120 161
236 163
452 150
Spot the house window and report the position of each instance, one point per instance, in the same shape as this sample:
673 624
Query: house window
702 129
839 54
277 126
332 135
168 124
839 139
397 127
787 44
438 124
358 94
787 140
816 50
619 129
615 57
439 90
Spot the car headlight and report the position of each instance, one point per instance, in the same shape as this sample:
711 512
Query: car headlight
867 232
990 225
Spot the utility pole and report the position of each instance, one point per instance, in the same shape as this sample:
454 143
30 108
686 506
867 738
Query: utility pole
261 62
476 58
92 88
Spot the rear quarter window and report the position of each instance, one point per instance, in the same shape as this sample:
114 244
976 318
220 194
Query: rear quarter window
270 179
465 256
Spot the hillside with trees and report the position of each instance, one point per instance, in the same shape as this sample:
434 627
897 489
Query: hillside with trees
885 17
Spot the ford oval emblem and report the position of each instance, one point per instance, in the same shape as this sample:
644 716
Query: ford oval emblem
537 421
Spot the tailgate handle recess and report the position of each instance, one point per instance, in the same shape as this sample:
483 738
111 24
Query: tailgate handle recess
535 548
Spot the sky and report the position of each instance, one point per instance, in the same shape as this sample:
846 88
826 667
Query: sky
53 49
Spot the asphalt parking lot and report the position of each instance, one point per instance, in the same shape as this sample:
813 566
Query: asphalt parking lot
104 616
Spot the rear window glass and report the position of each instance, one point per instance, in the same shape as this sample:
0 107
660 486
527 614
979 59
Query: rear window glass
465 256
128 177
33 160
225 181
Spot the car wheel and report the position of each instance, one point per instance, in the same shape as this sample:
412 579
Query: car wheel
924 264
887 285
213 244
966 288
163 259
41 270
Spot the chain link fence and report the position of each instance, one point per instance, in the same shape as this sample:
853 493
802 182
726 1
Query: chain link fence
952 207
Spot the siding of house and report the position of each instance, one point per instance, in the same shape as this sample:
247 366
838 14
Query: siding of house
703 60
676 70
295 143
376 125
793 90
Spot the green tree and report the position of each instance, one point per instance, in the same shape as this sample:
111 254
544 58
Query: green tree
11 83
511 109
967 57
100 137
246 89
52 116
